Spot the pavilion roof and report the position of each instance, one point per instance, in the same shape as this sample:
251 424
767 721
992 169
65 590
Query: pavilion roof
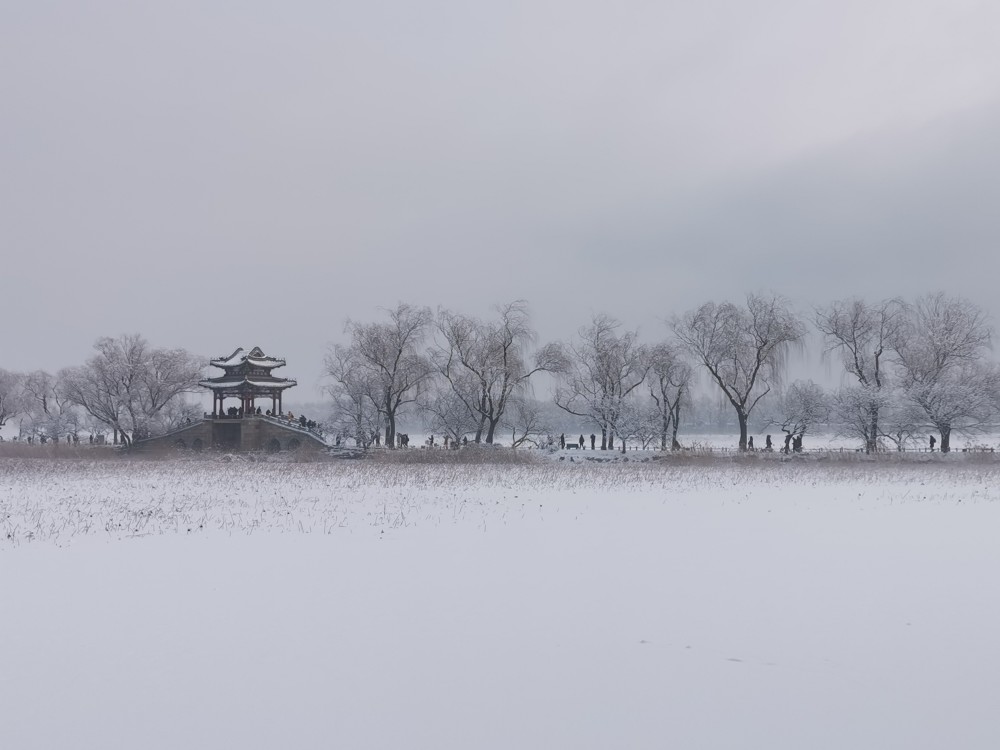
254 357
241 383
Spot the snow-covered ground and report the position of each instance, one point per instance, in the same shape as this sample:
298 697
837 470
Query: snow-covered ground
690 603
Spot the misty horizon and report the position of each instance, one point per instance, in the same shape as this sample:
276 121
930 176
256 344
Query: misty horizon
166 167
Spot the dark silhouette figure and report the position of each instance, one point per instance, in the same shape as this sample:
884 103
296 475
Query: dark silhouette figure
562 441
593 438
933 443
750 444
581 442
767 445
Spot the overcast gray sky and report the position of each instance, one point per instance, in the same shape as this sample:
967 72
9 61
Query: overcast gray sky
222 174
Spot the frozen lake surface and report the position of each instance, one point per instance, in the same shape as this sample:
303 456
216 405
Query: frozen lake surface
711 603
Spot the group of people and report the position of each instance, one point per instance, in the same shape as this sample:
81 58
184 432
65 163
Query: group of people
578 443
303 422
793 444
237 412
449 441
71 439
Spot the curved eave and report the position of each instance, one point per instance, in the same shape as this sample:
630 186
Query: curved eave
246 384
268 362
231 361
239 357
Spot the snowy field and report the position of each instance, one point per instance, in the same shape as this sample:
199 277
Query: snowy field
692 603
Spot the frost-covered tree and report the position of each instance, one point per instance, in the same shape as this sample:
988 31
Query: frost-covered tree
355 411
856 410
900 420
798 408
128 382
176 414
448 412
669 382
864 335
48 413
391 362
941 351
603 367
486 364
528 421
742 347
11 404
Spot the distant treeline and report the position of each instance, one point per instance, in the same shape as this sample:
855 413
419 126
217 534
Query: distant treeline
914 368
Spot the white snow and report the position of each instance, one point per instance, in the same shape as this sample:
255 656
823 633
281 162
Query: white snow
699 603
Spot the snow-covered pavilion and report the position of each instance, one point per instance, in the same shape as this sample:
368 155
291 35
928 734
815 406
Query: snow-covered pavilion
247 377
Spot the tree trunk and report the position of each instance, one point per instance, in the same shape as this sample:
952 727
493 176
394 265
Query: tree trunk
490 429
390 431
871 446
945 439
604 438
482 420
611 441
665 427
743 430
676 422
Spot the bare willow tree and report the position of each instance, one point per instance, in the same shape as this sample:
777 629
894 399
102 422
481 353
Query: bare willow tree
528 422
941 354
799 408
128 382
742 347
601 370
486 364
449 413
355 413
10 395
48 410
389 360
669 382
864 335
